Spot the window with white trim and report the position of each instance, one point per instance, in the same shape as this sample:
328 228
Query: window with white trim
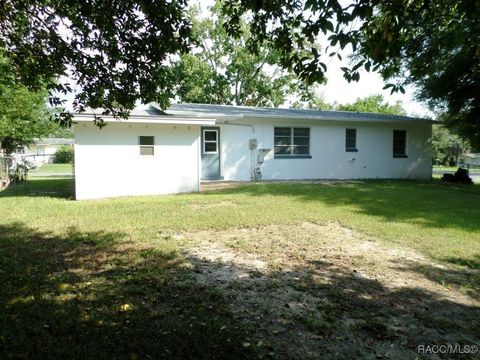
291 142
210 141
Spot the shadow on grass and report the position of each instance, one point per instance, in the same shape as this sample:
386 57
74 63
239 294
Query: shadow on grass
97 295
466 276
471 263
57 187
430 204
94 296
325 310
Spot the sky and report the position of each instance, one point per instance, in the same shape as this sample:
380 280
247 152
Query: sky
339 90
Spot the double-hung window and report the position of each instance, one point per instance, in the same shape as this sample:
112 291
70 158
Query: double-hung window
351 140
399 143
147 145
210 141
292 142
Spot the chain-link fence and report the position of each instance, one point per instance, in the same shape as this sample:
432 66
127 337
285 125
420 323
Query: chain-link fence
4 171
469 166
36 175
46 166
12 169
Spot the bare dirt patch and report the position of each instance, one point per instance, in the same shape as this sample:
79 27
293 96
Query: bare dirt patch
221 185
324 291
223 203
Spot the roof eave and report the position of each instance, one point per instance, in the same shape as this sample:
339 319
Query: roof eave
146 119
307 118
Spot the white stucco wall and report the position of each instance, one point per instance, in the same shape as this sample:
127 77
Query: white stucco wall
236 156
374 158
108 161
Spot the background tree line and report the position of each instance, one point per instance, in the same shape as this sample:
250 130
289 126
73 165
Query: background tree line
257 53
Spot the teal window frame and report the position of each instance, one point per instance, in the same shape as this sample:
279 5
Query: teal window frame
290 140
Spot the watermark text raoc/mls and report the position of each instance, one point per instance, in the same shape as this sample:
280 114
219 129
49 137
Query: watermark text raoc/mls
447 349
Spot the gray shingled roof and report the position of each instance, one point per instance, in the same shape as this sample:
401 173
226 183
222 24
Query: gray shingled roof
55 141
144 110
233 112
245 111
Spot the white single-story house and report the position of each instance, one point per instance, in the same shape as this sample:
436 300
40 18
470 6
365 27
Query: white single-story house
172 151
469 159
43 150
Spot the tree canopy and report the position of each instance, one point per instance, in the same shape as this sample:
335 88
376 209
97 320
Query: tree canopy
446 145
118 52
24 115
432 44
221 70
114 52
373 104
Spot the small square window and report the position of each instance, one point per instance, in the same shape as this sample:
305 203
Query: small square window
210 135
147 145
210 147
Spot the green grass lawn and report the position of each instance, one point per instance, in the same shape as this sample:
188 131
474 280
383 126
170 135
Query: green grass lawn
94 277
455 168
52 170
445 168
440 220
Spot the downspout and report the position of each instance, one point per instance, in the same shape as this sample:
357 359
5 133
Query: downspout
252 166
199 158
